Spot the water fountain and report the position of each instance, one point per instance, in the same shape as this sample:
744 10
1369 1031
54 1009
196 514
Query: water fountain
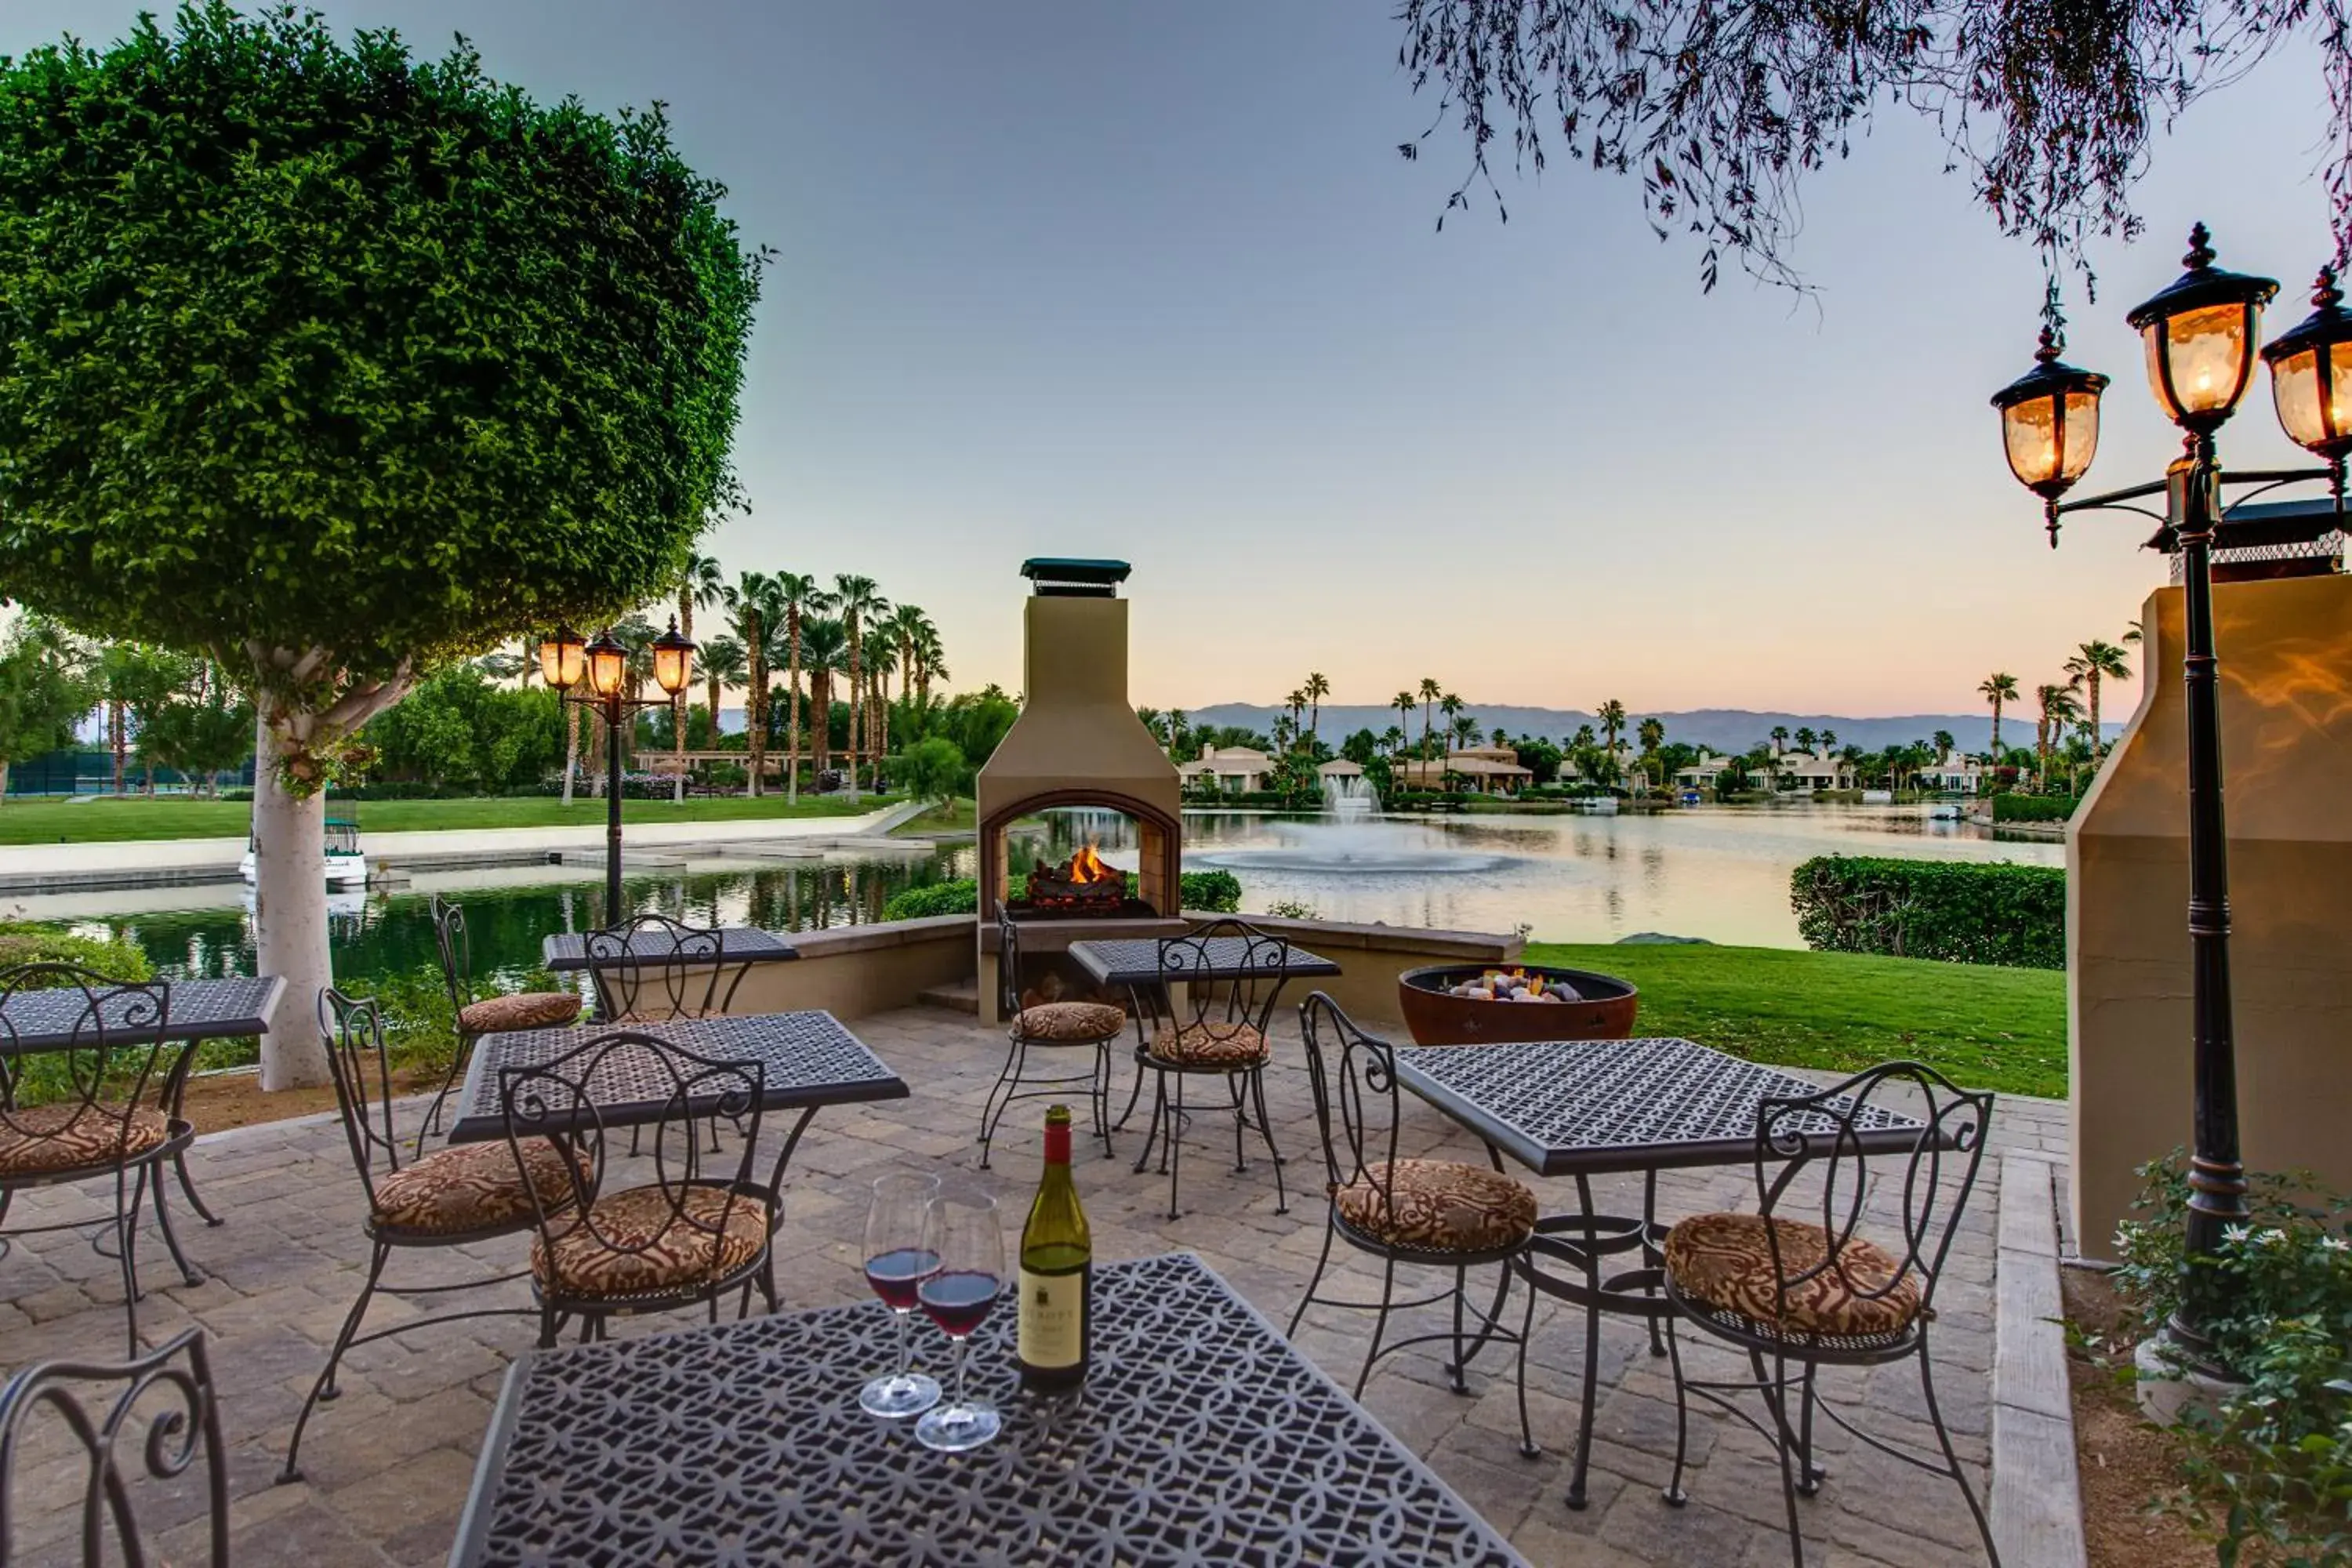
1349 795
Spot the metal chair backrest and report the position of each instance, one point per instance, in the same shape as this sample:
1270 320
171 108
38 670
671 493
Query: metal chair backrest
1353 1075
1246 997
651 969
167 1412
352 1027
563 1101
456 951
1822 1136
1008 967
100 1040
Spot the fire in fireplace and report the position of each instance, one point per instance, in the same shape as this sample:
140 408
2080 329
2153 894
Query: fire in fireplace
1087 884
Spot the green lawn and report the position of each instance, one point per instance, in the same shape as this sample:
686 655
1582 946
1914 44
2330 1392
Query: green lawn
1986 1027
94 821
950 817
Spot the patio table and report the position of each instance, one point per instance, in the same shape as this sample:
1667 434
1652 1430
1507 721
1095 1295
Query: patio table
1587 1108
809 1060
1200 1436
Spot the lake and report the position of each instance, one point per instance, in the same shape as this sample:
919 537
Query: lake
1720 873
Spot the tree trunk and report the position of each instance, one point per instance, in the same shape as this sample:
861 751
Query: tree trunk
571 745
290 914
792 709
755 702
115 735
856 675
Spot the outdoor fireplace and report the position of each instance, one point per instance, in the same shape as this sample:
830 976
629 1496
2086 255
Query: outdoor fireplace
1077 744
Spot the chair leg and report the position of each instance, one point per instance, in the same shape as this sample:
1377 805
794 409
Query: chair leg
1265 1131
1236 1087
550 1325
1380 1324
1776 1398
126 1234
324 1388
1526 1332
1968 1492
1461 1282
1330 1231
154 1174
1674 1494
1809 1475
1492 1325
432 1122
993 1110
1099 1093
1172 1150
188 1189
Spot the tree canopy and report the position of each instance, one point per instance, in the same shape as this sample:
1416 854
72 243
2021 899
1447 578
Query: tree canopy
338 364
1720 107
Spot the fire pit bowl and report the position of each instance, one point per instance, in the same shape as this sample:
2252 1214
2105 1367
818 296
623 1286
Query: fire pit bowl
1602 1007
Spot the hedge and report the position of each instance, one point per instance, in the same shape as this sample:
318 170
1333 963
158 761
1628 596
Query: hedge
1256 799
26 943
1216 891
1963 913
2035 808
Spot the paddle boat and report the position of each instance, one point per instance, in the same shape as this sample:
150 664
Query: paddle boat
346 862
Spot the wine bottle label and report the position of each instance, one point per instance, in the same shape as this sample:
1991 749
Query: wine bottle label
1051 1318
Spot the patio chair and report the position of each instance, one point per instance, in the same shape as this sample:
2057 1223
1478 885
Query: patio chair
1048 1025
477 1017
1432 1214
165 1413
651 969
99 1107
1213 1029
681 1239
465 1193
1796 1286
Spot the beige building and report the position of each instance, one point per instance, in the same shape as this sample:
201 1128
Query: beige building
1802 770
1488 770
1234 770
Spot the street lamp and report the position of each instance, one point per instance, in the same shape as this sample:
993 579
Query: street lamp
596 676
2201 336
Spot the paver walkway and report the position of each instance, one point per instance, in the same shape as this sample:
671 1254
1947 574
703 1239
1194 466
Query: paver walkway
388 1464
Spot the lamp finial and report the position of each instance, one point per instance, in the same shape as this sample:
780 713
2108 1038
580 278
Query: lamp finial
2200 248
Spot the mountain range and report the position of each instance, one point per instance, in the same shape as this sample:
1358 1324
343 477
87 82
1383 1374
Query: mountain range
1720 729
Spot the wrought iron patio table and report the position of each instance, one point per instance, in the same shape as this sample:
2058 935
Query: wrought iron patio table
1589 1107
808 1059
1201 1436
568 951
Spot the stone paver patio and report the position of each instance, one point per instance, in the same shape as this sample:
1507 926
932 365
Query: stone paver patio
388 1465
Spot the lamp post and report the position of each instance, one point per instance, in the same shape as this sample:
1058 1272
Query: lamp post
2200 337
596 676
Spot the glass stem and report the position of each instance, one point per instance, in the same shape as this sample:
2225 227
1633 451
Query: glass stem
902 1317
963 1343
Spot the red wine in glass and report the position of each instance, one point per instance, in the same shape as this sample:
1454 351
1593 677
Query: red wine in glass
959 1301
896 1274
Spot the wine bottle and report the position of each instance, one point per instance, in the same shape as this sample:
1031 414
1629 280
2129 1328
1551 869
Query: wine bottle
1055 1317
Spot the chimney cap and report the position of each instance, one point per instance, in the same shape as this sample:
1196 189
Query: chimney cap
1062 576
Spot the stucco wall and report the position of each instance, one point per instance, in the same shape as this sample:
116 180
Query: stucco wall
2287 723
853 970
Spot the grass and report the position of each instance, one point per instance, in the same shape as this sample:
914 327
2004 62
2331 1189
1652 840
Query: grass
1987 1027
118 821
957 815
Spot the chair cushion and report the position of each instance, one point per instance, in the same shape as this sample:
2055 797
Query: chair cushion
1725 1261
524 1010
1083 1021
472 1187
1211 1044
1438 1206
47 1139
638 1247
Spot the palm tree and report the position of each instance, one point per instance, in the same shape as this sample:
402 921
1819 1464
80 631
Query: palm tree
1996 688
1611 715
1944 744
1829 740
824 649
1430 693
2094 661
1805 738
700 581
860 601
753 601
722 666
881 663
1180 734
1779 738
799 596
1451 705
1392 739
2059 708
1316 689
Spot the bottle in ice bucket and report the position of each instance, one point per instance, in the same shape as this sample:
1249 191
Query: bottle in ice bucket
1055 1324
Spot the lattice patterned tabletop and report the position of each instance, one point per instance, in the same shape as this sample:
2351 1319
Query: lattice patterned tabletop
809 1060
1199 1437
737 945
196 1010
1137 961
1570 1107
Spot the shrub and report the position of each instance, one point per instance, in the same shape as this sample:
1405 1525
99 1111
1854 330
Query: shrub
1219 892
28 943
1962 913
2271 1469
2035 808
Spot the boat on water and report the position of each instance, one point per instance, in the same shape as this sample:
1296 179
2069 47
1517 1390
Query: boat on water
346 861
1945 811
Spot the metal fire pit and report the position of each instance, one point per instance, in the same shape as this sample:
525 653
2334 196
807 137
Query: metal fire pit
1603 1009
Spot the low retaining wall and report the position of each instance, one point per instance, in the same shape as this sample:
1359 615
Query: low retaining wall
1370 957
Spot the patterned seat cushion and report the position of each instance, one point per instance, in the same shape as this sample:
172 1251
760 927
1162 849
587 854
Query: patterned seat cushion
47 1139
1211 1044
1083 1021
1438 1206
471 1186
524 1010
1725 1261
633 1245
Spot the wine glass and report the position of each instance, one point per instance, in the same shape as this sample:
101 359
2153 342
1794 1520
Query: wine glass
966 1235
898 1258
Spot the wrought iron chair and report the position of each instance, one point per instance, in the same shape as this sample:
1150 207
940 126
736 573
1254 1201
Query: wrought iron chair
477 1017
1808 1292
169 1408
86 1111
1432 1214
1048 1025
1213 1029
683 1237
651 969
465 1193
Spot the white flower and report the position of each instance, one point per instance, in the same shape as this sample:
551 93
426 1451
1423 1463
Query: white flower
2335 1244
2236 1232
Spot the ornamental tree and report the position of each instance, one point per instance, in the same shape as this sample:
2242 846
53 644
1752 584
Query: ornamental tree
335 366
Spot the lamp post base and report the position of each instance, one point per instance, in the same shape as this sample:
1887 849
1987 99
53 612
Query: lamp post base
2177 1380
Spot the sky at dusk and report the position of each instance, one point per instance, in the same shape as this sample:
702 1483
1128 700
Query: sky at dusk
1153 283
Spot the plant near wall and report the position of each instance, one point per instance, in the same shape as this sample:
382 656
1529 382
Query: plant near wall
2268 1473
338 366
2000 914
